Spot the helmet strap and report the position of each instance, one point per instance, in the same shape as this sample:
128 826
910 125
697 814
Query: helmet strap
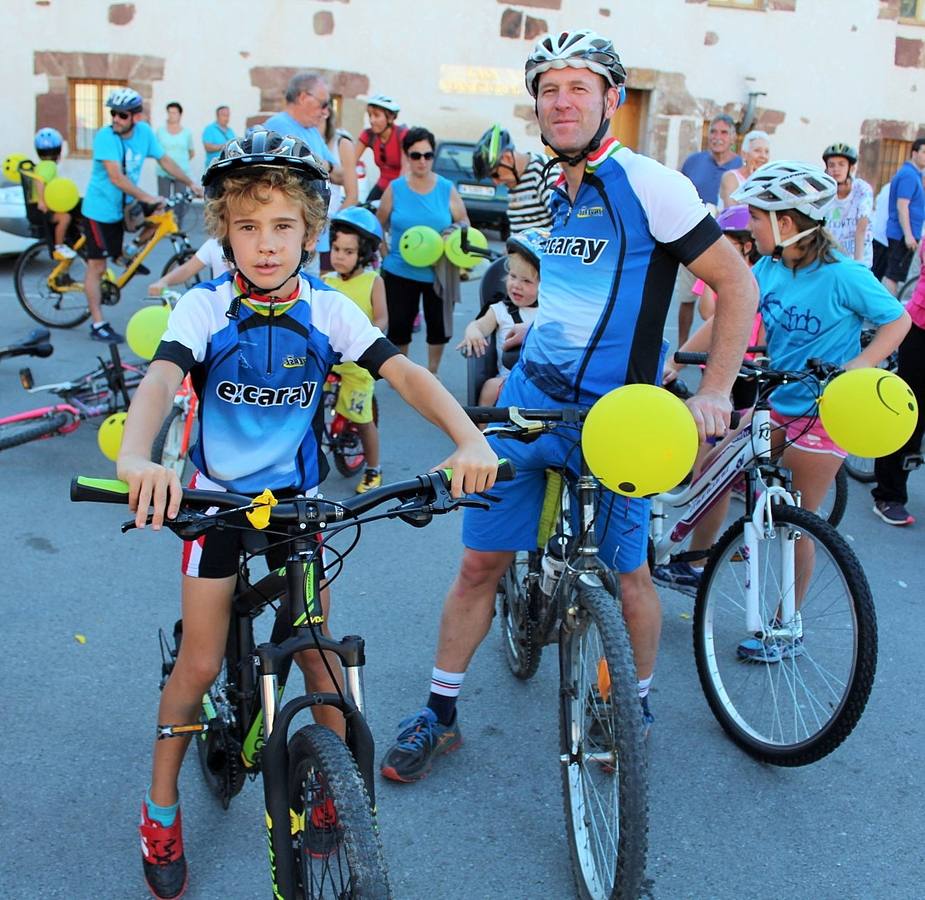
578 157
780 245
251 289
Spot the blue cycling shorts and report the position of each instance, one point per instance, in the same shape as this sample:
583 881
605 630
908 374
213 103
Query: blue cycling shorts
622 523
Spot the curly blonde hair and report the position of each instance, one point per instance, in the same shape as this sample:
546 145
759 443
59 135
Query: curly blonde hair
249 189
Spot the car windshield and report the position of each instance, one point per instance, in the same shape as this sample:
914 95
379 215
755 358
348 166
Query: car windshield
455 157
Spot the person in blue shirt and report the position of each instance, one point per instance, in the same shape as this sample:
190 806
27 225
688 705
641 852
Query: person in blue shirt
706 168
814 303
119 150
621 224
905 217
216 134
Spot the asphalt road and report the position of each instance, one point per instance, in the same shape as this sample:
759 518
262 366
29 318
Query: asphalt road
81 605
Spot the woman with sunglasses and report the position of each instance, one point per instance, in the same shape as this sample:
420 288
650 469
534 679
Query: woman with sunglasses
384 136
419 198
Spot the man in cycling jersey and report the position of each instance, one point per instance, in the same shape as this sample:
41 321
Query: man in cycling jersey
621 225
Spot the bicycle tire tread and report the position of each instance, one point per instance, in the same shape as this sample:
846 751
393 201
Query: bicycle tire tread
363 846
604 609
841 726
14 434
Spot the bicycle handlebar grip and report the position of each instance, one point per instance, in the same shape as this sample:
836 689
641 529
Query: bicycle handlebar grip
506 470
691 359
483 414
98 490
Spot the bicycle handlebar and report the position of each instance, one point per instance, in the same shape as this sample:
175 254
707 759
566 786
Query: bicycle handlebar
494 414
428 493
815 367
466 247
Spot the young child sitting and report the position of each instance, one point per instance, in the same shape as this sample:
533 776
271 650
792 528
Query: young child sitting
48 145
355 238
518 307
260 341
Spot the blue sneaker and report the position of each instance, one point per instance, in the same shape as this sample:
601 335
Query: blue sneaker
679 576
420 738
769 650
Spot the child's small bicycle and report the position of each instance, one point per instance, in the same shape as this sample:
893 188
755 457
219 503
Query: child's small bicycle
319 790
341 436
797 685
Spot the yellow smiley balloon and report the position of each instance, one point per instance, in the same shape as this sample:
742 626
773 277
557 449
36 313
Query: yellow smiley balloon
868 412
109 437
639 440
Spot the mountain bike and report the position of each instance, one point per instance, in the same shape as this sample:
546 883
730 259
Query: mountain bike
341 436
319 791
561 593
798 698
104 390
37 344
51 291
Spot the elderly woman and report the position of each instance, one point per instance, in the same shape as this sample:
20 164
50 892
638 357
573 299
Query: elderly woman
756 151
419 198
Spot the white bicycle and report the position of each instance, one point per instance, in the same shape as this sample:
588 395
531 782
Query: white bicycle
785 638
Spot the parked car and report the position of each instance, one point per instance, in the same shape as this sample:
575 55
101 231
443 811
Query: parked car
15 234
485 203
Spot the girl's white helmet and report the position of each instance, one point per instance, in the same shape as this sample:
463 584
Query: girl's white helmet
383 102
788 184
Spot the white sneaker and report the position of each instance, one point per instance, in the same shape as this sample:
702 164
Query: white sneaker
62 251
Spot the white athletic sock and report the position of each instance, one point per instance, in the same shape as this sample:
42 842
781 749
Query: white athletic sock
643 685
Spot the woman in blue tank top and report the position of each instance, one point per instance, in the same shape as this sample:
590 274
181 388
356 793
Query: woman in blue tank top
418 198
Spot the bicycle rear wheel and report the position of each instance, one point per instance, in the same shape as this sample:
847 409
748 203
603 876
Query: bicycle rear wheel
167 448
522 646
12 434
835 501
177 260
604 776
335 840
861 468
807 693
59 308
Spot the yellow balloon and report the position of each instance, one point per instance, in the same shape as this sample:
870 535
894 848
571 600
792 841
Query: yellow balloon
639 440
46 170
868 412
145 329
420 246
109 437
11 166
453 250
61 195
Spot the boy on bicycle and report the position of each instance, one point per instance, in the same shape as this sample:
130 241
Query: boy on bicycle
259 342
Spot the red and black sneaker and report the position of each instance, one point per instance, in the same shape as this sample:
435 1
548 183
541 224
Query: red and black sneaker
162 856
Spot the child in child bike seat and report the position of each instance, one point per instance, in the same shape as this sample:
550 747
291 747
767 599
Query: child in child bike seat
355 238
259 342
519 306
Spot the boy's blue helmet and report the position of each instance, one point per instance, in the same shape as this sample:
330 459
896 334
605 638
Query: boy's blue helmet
360 220
48 139
529 244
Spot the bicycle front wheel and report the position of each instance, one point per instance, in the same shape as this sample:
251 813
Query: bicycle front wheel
177 260
522 646
12 434
336 843
835 501
787 700
59 302
604 777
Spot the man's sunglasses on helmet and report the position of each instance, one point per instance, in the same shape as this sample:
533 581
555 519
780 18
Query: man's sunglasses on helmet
416 156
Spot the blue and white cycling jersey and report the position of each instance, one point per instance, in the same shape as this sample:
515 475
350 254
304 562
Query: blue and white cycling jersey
259 378
608 271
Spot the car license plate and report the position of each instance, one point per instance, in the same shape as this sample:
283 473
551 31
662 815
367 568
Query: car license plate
476 190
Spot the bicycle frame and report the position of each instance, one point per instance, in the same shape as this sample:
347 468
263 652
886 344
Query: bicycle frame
265 725
745 450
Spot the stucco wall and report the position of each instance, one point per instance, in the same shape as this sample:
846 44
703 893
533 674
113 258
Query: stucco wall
827 66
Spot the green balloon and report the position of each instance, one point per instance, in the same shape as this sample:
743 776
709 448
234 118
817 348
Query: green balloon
46 170
420 246
61 195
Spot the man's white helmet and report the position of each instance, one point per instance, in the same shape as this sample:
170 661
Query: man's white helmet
582 49
788 184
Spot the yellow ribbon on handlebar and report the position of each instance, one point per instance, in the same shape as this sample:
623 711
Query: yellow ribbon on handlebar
260 516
